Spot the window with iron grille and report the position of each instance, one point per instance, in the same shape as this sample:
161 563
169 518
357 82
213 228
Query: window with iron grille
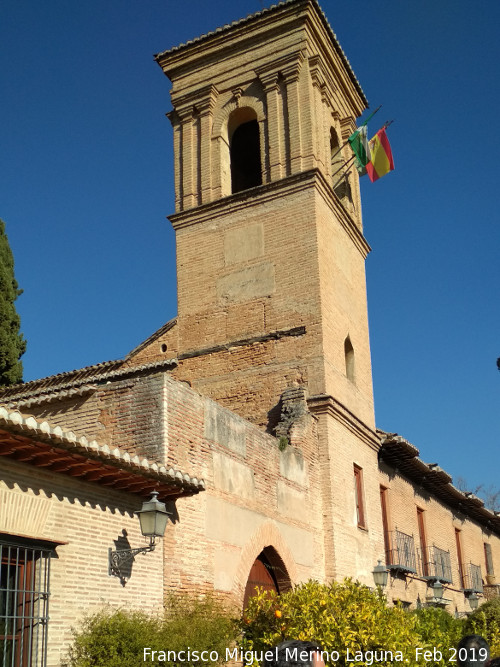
442 564
24 601
473 580
358 496
402 556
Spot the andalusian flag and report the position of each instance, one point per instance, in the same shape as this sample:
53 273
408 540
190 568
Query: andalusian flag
359 144
381 162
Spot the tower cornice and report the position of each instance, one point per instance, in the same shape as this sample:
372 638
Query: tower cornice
323 404
276 20
268 192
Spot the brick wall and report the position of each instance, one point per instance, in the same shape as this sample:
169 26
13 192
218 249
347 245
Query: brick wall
89 520
440 521
124 413
256 496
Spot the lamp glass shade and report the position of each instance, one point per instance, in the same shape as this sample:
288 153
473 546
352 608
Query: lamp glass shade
438 589
380 575
473 601
153 517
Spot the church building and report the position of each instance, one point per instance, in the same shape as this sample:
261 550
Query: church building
251 414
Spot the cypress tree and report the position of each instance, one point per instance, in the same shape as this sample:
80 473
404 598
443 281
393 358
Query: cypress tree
12 343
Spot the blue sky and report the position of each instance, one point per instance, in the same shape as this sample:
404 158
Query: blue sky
86 184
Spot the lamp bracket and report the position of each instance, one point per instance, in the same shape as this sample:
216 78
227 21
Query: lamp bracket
433 601
117 559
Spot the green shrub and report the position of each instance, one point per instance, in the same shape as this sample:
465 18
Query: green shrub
203 624
340 617
113 638
485 621
438 628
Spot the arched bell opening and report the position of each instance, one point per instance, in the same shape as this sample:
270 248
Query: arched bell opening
244 150
340 177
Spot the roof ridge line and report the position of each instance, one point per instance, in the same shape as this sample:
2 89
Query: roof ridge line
121 370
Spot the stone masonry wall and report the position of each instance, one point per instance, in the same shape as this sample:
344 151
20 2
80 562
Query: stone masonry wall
256 496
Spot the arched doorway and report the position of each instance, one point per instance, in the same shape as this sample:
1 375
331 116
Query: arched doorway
268 572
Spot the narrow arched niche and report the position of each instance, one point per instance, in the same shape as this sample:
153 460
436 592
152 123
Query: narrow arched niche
244 149
349 359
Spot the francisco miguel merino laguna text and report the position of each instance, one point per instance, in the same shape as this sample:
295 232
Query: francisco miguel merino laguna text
249 657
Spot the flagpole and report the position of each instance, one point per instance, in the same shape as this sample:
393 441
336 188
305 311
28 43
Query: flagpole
340 179
344 165
370 116
362 125
353 157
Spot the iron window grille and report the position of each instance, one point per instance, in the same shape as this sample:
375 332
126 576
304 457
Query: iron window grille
473 580
402 552
435 563
24 603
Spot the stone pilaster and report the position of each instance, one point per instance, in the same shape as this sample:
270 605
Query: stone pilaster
291 75
187 153
205 108
275 138
176 125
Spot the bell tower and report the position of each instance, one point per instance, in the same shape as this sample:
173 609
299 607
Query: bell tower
270 246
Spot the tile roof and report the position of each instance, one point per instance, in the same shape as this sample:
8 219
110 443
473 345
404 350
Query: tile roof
252 17
154 336
40 444
400 454
74 382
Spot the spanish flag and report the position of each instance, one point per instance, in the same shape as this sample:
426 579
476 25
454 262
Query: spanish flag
381 162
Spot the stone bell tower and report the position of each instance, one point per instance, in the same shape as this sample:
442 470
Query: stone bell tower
270 247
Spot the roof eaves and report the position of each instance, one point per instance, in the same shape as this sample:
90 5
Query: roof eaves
397 452
28 426
263 12
26 388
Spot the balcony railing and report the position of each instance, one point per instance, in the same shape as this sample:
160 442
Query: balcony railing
435 563
402 552
473 581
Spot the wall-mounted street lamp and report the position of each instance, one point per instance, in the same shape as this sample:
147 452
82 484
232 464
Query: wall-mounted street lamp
153 517
437 590
437 599
473 601
380 574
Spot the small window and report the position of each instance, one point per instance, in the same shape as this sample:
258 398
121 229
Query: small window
458 542
384 492
358 494
245 157
488 557
423 541
349 359
24 601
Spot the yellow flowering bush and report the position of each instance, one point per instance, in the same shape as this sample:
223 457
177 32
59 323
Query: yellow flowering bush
352 624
